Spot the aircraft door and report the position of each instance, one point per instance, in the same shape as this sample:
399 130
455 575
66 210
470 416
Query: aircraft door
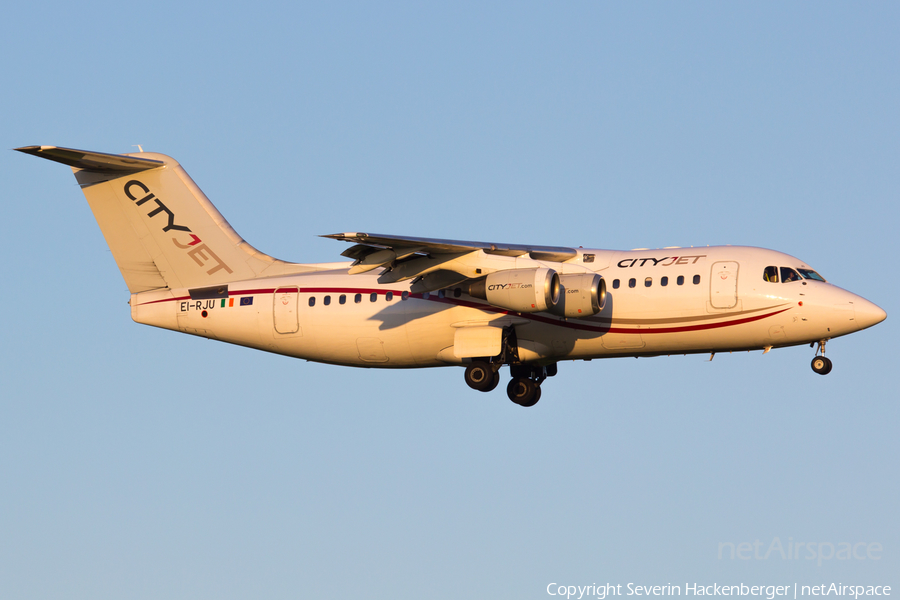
285 310
723 279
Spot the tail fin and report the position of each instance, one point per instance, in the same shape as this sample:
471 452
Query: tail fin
162 230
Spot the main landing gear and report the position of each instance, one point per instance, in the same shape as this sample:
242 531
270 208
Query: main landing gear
482 376
524 388
820 364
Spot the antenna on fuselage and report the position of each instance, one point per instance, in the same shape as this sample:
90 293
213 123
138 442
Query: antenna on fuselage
138 146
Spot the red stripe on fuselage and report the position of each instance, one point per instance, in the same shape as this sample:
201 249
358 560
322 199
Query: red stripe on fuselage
488 308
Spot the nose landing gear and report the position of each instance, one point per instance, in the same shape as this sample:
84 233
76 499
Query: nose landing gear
820 364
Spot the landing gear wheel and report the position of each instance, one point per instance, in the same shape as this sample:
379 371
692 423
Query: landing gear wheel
533 401
821 365
480 376
523 391
494 383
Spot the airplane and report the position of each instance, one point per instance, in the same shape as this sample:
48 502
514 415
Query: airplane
411 302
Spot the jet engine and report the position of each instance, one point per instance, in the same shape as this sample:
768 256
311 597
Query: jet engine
519 290
582 295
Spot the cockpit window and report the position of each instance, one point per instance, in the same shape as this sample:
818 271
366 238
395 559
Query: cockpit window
771 274
788 275
810 274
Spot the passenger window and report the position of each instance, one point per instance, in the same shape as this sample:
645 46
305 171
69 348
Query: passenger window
326 300
696 279
441 294
664 281
788 275
770 274
373 296
404 295
680 280
389 296
457 293
357 298
312 300
648 282
343 299
615 284
632 282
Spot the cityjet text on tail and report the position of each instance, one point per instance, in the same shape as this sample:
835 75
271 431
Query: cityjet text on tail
410 302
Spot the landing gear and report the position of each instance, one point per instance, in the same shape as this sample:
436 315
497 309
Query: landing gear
524 392
481 376
495 381
524 389
820 364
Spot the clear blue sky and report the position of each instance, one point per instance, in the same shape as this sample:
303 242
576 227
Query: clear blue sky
138 463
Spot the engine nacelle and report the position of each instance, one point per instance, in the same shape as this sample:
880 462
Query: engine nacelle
582 295
520 290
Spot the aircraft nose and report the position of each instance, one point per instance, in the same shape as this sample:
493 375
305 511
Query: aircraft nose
867 313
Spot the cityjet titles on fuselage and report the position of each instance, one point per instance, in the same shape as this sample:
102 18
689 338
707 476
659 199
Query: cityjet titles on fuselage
659 262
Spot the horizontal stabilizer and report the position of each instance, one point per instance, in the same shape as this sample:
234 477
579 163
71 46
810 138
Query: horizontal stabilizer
97 162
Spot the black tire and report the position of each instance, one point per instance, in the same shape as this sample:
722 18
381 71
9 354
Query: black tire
522 391
537 396
821 365
494 383
480 376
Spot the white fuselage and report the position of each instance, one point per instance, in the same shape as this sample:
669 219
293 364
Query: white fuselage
678 300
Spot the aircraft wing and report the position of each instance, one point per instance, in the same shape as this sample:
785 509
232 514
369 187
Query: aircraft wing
438 246
434 262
